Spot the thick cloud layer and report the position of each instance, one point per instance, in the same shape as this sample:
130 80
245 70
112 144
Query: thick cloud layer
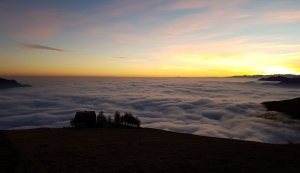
219 107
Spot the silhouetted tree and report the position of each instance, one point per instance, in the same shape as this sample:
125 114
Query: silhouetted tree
117 118
130 120
137 121
126 118
109 121
122 119
72 122
101 119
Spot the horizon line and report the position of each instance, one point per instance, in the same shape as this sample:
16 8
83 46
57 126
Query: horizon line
143 76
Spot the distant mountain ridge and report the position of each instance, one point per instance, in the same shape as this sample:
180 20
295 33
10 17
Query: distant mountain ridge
282 79
273 75
290 107
5 84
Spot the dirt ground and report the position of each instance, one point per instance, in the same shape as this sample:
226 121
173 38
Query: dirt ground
138 150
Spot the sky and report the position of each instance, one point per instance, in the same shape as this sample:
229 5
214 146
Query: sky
141 38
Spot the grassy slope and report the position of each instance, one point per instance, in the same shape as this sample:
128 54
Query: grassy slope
138 150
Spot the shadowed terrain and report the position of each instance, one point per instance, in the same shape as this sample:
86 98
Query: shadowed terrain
282 79
290 107
5 84
139 150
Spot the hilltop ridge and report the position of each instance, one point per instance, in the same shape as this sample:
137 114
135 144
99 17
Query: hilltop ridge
282 79
5 84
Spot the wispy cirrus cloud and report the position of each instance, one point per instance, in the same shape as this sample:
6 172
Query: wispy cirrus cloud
40 47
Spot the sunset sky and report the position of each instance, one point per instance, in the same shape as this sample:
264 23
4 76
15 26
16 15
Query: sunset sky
149 38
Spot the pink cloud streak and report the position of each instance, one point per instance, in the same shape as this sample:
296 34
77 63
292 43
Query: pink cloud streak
40 47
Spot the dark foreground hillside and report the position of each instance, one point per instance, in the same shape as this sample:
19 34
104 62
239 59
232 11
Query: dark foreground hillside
138 150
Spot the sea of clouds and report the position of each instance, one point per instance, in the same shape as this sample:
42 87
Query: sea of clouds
218 107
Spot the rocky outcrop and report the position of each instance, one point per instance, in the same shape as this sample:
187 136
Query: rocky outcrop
5 84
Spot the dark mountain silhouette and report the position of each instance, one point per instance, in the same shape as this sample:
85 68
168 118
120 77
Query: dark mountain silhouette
282 79
290 107
5 84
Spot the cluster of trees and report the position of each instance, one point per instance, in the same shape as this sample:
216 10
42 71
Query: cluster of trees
118 120
127 119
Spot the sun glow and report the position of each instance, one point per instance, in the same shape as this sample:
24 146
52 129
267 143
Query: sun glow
280 70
